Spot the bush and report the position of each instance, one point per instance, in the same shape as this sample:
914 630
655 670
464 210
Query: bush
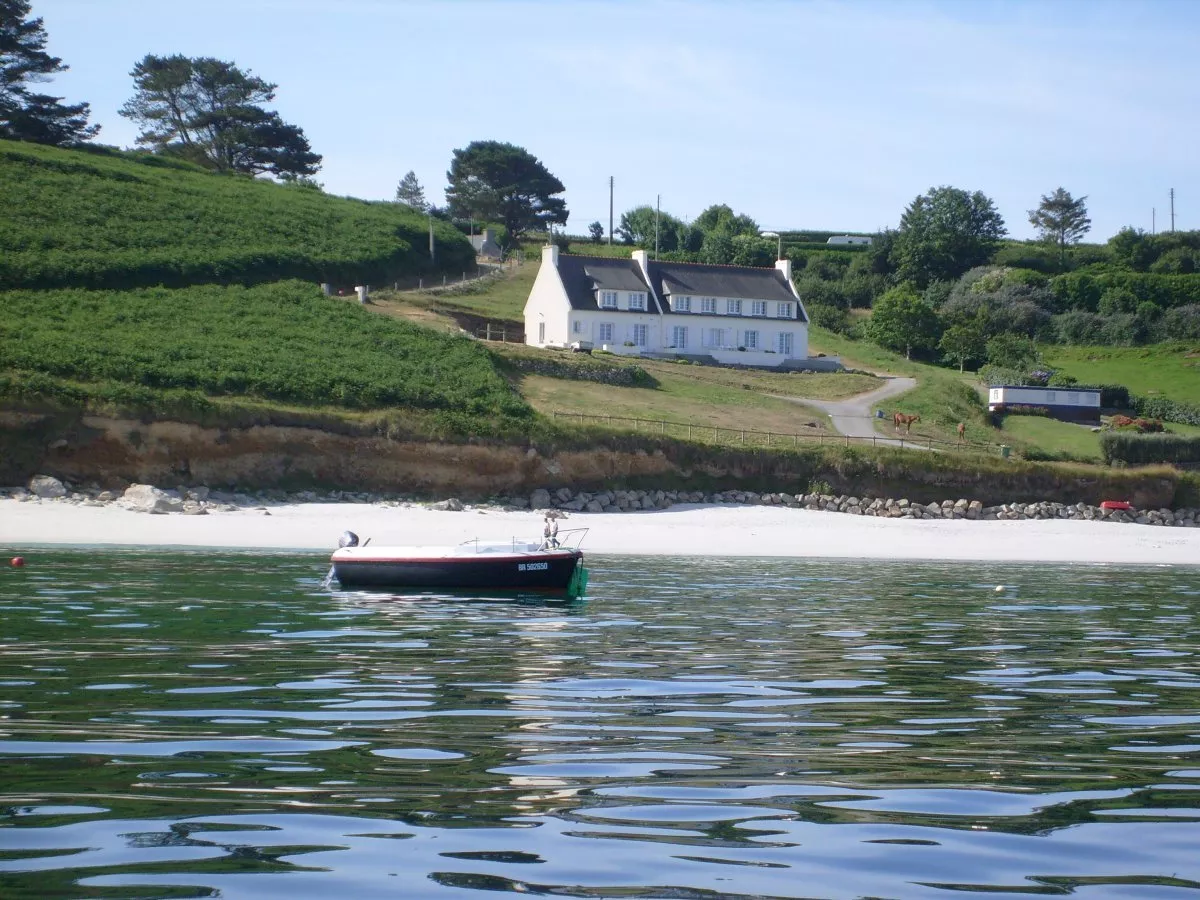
1140 450
1018 409
1084 290
1168 410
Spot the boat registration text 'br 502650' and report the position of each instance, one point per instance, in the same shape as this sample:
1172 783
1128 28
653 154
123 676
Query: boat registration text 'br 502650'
533 567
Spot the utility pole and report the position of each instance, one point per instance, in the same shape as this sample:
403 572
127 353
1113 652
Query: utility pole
1153 212
1172 210
657 206
610 209
431 256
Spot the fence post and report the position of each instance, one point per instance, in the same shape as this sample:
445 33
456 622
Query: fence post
420 284
443 281
581 419
768 439
689 432
662 427
743 436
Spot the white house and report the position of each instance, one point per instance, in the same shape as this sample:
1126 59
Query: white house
737 315
1071 404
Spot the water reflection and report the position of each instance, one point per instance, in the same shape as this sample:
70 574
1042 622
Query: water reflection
727 728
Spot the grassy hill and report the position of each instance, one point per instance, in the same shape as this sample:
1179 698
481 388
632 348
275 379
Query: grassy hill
117 220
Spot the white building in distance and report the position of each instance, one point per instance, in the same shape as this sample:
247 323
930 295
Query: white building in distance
734 315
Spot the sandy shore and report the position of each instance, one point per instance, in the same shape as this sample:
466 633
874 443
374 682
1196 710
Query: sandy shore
682 530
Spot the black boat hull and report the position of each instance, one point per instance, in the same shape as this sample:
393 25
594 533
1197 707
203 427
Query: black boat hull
549 573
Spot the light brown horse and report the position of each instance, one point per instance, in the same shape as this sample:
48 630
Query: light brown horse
900 418
962 432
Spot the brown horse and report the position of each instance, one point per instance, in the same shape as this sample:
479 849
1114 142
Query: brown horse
962 432
900 418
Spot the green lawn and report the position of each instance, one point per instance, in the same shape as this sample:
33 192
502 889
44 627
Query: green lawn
678 398
1051 437
1164 370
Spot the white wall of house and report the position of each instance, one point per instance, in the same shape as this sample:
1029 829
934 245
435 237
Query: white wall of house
623 328
547 312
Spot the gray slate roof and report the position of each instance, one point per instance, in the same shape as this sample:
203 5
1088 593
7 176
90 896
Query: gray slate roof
699 280
583 276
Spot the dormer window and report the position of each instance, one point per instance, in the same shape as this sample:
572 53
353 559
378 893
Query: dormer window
637 301
784 311
608 299
681 304
708 305
733 307
758 308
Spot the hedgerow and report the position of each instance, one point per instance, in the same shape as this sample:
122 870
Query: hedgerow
1144 449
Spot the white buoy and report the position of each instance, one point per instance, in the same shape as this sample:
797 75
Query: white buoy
999 588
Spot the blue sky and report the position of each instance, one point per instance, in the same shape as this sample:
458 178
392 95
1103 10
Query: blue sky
830 115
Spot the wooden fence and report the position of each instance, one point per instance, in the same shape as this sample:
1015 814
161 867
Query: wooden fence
746 437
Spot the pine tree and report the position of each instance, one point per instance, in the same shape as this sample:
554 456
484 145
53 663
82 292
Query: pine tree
410 193
1061 219
26 115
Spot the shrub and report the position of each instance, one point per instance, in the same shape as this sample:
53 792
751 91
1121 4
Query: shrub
1137 449
1162 408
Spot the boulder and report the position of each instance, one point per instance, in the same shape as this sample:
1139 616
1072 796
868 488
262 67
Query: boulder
539 499
453 504
149 499
47 487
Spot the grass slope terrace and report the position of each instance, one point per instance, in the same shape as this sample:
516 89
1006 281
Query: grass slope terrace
283 342
115 220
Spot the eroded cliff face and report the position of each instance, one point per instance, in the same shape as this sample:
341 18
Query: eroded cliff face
114 452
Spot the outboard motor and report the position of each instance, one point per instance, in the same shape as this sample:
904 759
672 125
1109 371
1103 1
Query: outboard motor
348 539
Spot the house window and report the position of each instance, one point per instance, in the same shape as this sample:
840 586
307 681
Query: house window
682 304
784 311
716 337
679 337
640 334
608 299
751 340
733 307
541 332
759 308
1051 397
637 301
708 304
606 333
578 327
783 343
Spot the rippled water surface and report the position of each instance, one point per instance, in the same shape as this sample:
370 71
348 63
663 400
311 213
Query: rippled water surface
203 725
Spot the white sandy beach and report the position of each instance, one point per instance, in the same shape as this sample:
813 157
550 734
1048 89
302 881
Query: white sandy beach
682 530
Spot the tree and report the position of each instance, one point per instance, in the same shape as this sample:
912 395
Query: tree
720 217
27 115
1013 351
210 111
596 232
410 193
1061 219
966 340
945 232
638 227
901 320
499 182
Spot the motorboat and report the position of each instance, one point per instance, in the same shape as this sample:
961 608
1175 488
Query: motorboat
548 566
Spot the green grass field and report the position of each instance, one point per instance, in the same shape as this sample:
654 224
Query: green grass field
1160 370
284 342
109 220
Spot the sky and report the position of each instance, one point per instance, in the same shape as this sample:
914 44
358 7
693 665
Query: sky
819 115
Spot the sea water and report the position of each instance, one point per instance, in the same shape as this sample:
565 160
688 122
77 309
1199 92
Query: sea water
213 724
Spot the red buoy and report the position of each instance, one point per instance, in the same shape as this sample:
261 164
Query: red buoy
17 561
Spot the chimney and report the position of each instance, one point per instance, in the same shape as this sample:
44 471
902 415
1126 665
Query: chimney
785 266
642 258
550 255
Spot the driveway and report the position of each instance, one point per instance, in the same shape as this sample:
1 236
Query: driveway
854 416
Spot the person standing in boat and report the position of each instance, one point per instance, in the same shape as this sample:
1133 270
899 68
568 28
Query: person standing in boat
550 532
